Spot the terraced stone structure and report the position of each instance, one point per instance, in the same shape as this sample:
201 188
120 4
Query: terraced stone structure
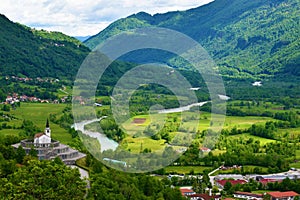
48 149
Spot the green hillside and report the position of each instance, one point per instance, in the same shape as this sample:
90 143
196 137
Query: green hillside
32 53
248 39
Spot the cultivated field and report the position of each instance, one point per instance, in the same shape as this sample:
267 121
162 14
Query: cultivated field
38 114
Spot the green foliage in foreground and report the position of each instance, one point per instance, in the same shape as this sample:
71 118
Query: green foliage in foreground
117 185
42 180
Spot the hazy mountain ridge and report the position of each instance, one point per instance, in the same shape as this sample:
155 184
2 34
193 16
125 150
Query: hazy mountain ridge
253 39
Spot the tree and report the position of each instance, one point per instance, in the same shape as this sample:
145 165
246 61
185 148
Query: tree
97 166
43 180
227 186
205 178
33 152
2 96
6 108
20 154
58 161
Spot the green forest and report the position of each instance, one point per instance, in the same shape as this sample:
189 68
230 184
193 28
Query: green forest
250 41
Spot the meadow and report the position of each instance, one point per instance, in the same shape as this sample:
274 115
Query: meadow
186 169
246 168
136 141
38 114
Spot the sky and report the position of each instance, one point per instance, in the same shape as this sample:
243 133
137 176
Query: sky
84 17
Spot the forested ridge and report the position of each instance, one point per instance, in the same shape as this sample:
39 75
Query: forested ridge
247 39
26 52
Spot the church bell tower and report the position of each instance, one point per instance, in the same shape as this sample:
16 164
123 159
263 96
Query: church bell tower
47 129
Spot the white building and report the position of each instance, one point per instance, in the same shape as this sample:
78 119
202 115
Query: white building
48 149
248 195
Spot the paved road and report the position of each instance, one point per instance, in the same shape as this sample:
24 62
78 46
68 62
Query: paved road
85 176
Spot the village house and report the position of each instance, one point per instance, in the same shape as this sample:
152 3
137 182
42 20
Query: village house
204 197
205 149
289 195
221 183
187 191
248 195
266 181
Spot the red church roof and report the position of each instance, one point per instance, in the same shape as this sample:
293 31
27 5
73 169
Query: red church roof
38 135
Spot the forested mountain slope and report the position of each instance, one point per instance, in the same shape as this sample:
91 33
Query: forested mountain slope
248 39
33 53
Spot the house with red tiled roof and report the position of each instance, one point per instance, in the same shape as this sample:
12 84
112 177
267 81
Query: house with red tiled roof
205 149
187 192
204 197
289 195
248 195
268 180
221 183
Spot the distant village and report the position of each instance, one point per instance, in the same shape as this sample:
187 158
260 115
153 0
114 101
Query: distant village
15 98
26 79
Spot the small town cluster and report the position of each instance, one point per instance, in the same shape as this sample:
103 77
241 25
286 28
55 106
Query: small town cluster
288 195
15 98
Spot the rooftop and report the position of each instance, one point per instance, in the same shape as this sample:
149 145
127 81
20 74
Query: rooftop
185 190
205 196
233 182
283 194
249 194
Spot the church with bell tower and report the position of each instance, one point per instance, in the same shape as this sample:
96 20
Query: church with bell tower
43 139
48 149
47 129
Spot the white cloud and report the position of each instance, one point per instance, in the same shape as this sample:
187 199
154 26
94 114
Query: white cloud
84 17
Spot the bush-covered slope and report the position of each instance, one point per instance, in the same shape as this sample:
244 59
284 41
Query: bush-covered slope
257 38
33 53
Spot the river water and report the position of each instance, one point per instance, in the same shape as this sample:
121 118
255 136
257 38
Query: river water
109 144
105 142
183 108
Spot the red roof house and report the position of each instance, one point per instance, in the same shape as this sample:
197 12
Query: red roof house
221 183
205 149
289 195
266 181
186 192
248 195
204 197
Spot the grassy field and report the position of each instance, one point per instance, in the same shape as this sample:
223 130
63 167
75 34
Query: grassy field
293 132
263 107
136 144
245 137
186 169
297 164
261 191
38 114
247 168
244 122
5 132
